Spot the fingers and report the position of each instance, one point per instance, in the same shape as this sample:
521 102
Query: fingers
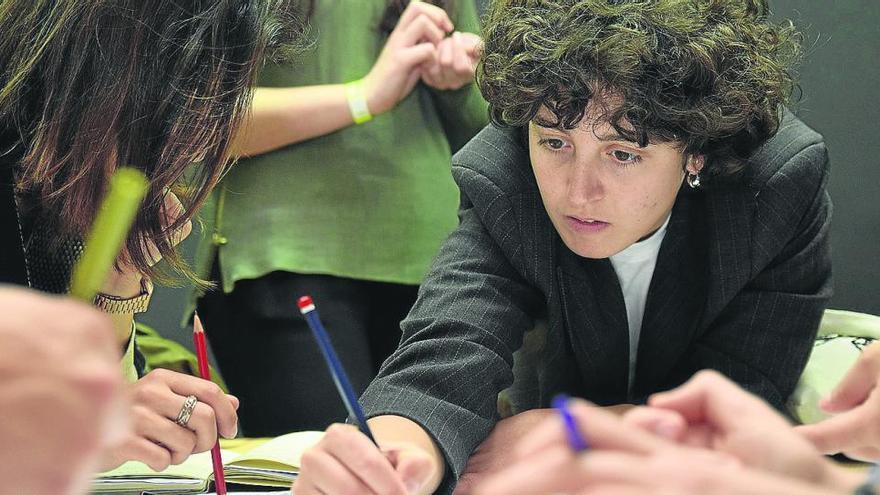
472 44
176 440
413 467
446 52
327 475
624 489
415 9
847 431
422 29
167 405
661 422
462 61
361 457
711 398
682 467
602 430
453 66
422 53
208 393
138 449
857 383
345 461
204 423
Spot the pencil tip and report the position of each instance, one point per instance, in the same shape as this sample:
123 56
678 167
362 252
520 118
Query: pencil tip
197 324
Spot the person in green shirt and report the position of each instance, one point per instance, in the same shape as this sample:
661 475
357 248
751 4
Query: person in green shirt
346 194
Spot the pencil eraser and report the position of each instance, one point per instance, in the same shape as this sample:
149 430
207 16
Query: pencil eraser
305 304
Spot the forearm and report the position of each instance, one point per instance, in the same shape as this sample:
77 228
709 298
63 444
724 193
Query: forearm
283 116
397 429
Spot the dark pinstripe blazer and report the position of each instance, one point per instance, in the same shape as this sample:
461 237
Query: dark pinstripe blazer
741 281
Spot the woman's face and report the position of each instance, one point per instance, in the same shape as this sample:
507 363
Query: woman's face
604 193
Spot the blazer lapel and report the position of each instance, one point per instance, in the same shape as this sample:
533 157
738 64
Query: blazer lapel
595 319
676 297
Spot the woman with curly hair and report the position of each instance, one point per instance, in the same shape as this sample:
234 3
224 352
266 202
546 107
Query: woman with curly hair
643 199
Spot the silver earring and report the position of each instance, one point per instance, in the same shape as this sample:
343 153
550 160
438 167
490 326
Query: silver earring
693 180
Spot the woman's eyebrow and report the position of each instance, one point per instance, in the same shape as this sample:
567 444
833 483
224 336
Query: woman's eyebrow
613 136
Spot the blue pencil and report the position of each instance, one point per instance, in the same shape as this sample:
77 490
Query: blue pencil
575 440
307 308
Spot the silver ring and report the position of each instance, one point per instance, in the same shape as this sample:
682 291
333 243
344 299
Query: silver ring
186 411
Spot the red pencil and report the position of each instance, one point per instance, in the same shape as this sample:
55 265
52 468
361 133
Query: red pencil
205 372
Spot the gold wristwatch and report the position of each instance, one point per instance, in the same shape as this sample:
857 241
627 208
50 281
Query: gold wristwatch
117 305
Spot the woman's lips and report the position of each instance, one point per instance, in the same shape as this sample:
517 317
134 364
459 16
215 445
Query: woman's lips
587 225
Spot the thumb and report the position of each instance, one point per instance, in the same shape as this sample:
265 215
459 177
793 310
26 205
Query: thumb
836 434
854 388
417 55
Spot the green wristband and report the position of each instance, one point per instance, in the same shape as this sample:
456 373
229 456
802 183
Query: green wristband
357 102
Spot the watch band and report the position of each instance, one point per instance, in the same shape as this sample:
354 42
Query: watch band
117 305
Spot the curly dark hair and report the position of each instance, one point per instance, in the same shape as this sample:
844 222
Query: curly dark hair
711 75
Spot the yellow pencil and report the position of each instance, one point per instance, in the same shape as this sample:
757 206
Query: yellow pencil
108 233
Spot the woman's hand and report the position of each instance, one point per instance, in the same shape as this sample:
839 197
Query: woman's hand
856 430
412 44
156 439
681 471
455 62
346 461
626 460
711 412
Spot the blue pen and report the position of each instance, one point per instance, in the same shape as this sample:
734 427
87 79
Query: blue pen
307 308
577 442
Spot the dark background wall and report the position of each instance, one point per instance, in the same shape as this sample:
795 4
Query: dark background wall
839 78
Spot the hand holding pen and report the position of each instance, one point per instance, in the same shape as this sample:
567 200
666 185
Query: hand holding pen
556 456
348 458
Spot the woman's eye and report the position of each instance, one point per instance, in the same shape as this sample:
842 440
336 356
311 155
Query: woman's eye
625 156
553 143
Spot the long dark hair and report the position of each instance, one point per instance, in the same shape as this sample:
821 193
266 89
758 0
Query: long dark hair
392 11
154 84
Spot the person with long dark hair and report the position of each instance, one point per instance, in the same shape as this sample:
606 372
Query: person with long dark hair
89 86
346 196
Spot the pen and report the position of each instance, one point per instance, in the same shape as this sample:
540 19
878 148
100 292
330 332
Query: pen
205 372
307 308
575 440
125 191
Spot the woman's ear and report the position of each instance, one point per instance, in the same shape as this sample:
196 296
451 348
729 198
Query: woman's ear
695 164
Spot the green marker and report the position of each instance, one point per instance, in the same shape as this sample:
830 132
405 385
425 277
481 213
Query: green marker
109 231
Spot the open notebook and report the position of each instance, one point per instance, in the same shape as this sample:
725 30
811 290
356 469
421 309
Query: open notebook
269 463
